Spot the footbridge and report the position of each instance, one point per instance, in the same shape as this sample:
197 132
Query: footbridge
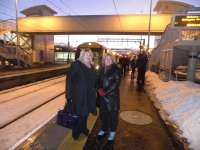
36 32
94 24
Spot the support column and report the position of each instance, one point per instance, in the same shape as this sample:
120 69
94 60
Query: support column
192 63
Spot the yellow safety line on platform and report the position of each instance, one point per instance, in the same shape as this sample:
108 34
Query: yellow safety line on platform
69 143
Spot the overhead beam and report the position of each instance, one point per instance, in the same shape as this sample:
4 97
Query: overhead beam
106 24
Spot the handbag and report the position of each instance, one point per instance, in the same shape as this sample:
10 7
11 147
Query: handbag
66 117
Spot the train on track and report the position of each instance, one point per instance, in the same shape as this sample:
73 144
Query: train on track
97 49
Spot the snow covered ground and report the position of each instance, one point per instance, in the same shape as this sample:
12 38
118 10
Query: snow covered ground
19 101
178 102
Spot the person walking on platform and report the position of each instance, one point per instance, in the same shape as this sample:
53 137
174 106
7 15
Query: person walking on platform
123 63
109 98
80 89
133 66
141 65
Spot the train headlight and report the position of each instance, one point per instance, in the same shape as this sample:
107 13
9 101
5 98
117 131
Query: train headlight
97 67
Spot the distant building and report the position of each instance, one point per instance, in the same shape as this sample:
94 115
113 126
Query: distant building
40 10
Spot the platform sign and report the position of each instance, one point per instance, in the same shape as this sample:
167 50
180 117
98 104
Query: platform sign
187 21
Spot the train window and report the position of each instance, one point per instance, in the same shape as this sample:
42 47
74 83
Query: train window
72 56
61 56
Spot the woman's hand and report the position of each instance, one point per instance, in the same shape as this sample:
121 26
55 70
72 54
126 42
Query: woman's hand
101 92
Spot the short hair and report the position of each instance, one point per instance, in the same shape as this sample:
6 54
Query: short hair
83 52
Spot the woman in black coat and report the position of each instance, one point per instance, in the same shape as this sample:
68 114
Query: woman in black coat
109 98
80 89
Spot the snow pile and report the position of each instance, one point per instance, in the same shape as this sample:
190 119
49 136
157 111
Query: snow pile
178 102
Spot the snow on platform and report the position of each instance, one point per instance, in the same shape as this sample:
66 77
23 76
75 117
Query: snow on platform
178 102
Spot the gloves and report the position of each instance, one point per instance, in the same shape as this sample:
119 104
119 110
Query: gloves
101 92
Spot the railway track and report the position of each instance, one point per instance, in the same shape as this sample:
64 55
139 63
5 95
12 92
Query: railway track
22 78
29 111
28 85
7 96
43 98
24 101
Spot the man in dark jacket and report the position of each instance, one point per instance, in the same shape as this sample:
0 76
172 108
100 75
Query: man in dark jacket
123 62
141 65
133 66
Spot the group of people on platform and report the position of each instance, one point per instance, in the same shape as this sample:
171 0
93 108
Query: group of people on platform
84 87
140 62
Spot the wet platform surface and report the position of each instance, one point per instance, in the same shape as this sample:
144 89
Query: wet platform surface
139 137
130 136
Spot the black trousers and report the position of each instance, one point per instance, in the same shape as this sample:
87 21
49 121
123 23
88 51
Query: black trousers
141 77
132 72
109 120
80 126
124 70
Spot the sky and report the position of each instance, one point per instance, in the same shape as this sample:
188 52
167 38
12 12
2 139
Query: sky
85 7
75 40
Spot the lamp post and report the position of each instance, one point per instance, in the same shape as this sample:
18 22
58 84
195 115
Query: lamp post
68 49
149 29
17 32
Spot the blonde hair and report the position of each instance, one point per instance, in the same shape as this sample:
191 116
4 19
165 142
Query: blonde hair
108 55
83 53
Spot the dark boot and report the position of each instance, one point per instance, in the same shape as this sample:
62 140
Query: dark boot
75 134
85 132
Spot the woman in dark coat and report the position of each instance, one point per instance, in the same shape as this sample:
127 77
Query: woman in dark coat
81 91
109 98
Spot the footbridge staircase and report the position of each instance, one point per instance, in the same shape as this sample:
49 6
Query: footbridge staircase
8 53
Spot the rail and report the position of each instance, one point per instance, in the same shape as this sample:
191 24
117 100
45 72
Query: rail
32 91
22 94
31 110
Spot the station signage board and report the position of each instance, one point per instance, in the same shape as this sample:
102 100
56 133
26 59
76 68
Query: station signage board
187 21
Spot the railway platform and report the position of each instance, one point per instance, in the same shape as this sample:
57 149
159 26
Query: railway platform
19 77
140 128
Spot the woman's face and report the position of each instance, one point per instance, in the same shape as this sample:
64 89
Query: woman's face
88 58
108 61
